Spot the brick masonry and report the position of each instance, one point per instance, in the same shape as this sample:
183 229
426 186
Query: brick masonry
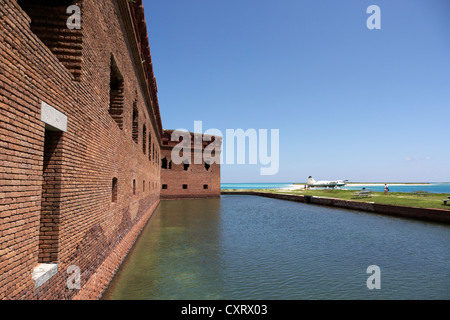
57 203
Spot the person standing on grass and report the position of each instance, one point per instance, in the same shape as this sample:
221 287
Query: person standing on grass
386 189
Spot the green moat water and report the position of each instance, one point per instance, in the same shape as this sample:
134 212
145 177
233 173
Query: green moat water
248 247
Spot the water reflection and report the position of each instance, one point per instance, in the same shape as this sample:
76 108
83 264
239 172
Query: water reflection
177 254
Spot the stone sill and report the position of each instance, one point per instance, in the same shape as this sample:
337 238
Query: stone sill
43 272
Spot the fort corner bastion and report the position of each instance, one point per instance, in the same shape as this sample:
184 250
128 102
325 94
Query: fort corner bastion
84 158
198 175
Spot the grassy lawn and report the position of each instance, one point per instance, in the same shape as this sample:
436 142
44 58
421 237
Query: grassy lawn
394 198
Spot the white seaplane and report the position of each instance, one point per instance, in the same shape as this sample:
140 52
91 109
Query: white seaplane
325 184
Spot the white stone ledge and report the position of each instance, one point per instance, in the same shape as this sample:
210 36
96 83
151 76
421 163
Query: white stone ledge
43 272
53 119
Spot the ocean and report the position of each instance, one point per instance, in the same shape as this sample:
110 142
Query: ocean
432 187
256 185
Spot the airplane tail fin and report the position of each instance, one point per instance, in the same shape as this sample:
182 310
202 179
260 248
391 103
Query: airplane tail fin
311 180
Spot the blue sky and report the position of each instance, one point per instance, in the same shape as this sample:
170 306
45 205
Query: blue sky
349 102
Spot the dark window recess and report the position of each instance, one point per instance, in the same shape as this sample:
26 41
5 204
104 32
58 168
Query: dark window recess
164 163
143 186
150 146
144 141
207 166
51 195
114 190
186 166
170 164
155 161
164 186
134 187
135 123
116 99
185 186
205 186
49 24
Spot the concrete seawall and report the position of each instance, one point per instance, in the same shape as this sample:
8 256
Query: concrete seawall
435 215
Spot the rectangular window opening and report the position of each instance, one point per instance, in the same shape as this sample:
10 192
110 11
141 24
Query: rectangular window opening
164 163
149 146
135 124
116 97
155 162
144 139
49 24
114 190
51 197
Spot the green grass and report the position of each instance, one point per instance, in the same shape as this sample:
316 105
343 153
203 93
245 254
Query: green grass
393 198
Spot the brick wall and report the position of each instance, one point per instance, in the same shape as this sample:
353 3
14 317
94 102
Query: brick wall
57 207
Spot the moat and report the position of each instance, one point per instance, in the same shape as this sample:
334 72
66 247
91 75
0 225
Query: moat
249 247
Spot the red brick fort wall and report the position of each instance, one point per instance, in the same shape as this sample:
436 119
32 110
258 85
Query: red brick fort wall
56 201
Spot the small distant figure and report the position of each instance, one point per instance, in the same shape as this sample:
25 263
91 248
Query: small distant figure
363 189
386 189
